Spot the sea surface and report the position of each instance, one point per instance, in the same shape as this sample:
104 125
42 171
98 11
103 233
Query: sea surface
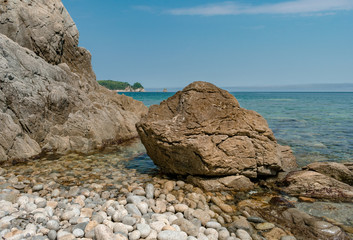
318 126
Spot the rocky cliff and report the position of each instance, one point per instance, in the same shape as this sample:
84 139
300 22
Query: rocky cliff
49 98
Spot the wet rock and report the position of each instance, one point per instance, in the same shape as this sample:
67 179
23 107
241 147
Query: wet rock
335 170
230 183
187 226
209 134
243 235
264 226
317 185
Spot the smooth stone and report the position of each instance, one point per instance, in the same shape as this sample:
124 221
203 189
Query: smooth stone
264 226
256 219
288 238
134 199
223 234
52 235
133 210
129 221
149 191
53 225
121 228
181 207
135 235
143 207
37 187
243 235
187 226
144 229
103 232
212 224
78 233
172 235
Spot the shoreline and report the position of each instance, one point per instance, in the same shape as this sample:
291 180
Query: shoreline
96 195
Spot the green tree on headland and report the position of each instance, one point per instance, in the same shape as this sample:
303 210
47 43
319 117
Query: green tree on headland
137 85
116 85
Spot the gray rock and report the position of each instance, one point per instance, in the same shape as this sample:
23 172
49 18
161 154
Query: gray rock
102 232
135 235
243 235
129 220
37 187
256 219
149 191
52 235
172 235
144 229
53 225
187 226
49 94
132 209
288 238
212 224
78 232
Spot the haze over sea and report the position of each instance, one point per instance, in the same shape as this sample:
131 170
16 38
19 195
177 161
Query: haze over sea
318 126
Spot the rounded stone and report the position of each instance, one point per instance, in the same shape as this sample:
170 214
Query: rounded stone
172 235
264 226
212 224
135 235
53 225
144 229
52 235
78 233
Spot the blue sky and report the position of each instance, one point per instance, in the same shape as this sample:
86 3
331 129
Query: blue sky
171 43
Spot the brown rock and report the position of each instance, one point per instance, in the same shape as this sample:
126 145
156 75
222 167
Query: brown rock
202 130
274 234
306 199
316 185
335 170
234 183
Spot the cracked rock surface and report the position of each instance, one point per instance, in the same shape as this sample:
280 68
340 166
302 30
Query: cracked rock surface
202 130
49 98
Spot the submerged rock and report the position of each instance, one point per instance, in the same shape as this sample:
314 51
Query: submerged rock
234 183
49 98
202 130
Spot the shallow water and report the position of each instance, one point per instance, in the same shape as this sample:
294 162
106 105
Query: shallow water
318 126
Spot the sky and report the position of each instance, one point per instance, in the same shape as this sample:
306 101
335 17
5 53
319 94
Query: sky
171 43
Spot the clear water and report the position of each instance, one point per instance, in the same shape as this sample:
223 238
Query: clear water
318 126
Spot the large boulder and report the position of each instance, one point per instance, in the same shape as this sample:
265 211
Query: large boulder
202 130
49 98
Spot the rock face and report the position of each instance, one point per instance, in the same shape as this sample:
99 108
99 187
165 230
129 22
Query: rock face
202 130
49 98
46 28
316 185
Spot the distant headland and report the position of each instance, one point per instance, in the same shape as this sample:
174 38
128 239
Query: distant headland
121 86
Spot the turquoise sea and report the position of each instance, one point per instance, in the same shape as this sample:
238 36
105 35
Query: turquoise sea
318 126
